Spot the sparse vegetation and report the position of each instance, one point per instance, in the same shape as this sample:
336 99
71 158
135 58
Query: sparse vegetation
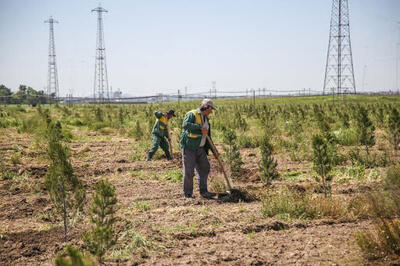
102 236
157 224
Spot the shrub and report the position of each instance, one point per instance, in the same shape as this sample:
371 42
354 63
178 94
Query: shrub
346 137
268 165
248 142
232 153
393 128
137 133
365 128
322 161
102 235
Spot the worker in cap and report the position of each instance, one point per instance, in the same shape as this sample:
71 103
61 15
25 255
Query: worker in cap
195 148
160 134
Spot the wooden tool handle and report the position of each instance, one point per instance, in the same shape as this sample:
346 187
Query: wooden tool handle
169 141
216 154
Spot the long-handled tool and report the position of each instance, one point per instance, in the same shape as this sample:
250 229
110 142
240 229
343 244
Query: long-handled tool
169 142
216 154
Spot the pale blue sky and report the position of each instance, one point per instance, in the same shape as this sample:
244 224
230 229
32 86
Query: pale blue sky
157 46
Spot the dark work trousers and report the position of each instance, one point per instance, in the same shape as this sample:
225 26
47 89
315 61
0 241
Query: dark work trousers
195 160
162 142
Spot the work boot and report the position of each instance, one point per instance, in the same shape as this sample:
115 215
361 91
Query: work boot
188 196
149 155
208 195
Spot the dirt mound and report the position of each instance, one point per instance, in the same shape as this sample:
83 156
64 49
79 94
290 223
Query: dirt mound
236 196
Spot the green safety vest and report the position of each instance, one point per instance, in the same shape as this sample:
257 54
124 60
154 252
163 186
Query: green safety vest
191 131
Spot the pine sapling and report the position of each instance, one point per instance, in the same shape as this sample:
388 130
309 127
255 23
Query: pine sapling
102 235
138 133
65 189
365 128
322 161
268 165
232 153
393 127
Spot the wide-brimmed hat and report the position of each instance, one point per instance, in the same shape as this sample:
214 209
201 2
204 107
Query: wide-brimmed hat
207 103
171 112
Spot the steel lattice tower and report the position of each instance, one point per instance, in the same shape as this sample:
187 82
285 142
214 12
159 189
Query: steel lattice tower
100 73
52 77
339 71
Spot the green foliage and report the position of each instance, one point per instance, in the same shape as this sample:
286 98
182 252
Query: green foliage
142 206
73 258
385 207
137 133
393 128
365 128
322 161
291 204
346 137
268 165
98 113
239 122
344 119
173 175
65 189
248 142
232 154
102 235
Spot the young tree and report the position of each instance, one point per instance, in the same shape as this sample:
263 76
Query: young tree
322 161
393 127
65 189
138 133
268 165
102 235
365 128
231 150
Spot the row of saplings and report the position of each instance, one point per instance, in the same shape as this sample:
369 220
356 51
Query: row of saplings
68 195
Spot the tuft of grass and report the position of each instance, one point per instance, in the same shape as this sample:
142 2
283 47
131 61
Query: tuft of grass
217 185
290 204
142 206
16 158
173 175
132 243
384 240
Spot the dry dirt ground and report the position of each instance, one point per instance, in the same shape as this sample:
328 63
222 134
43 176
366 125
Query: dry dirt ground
157 225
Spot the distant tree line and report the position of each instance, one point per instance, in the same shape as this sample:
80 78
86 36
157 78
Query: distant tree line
24 95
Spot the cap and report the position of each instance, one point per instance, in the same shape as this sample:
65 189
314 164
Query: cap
171 112
208 103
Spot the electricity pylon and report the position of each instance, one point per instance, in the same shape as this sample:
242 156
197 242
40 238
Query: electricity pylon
339 71
52 76
100 74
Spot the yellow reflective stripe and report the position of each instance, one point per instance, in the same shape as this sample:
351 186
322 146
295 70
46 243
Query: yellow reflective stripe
163 119
197 117
193 136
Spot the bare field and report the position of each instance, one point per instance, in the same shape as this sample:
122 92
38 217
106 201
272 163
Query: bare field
157 225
